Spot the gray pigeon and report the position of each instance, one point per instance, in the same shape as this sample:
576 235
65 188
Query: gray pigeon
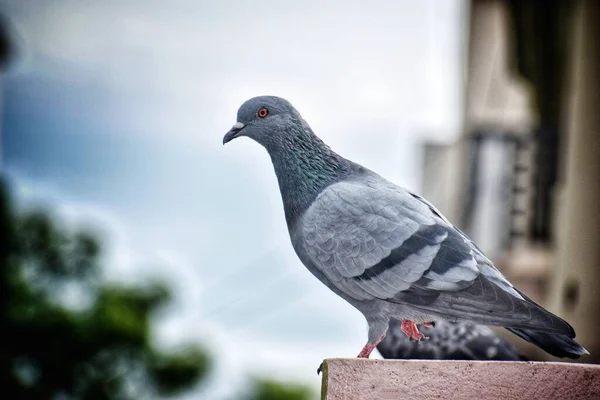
449 341
386 251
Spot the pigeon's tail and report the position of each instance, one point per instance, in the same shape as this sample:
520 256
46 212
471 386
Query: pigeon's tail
558 345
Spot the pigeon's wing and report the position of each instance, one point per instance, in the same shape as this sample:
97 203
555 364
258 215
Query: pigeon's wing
374 240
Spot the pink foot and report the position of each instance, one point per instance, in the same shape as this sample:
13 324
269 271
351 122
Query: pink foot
428 324
410 329
366 351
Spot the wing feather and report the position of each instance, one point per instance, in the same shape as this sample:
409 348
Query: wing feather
374 240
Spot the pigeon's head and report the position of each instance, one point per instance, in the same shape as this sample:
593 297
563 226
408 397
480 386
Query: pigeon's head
264 119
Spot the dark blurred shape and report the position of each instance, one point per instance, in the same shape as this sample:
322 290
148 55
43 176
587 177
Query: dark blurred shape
448 341
6 45
541 40
98 351
173 372
264 389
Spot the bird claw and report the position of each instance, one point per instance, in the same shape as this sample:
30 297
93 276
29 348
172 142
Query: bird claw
319 369
423 338
409 328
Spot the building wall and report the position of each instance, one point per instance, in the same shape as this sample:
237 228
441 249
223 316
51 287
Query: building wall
562 273
575 284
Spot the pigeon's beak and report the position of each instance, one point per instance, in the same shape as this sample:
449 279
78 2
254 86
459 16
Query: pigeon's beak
233 132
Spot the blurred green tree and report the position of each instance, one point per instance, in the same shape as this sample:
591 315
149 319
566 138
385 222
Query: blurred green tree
98 348
266 389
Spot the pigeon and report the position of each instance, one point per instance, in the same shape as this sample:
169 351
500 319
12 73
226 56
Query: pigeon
384 249
449 341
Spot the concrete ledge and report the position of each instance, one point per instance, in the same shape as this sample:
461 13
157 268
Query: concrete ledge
353 378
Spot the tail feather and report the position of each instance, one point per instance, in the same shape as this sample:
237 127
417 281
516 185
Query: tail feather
559 345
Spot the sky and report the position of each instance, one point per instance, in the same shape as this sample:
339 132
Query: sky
114 113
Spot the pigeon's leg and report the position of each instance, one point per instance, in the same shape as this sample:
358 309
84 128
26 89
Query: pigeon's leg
366 351
410 329
377 330
428 324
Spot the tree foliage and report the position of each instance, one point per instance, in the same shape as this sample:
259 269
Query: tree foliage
266 389
97 348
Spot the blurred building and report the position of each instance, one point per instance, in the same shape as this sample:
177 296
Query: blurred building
524 178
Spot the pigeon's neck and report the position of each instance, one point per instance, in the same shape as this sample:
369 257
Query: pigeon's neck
305 166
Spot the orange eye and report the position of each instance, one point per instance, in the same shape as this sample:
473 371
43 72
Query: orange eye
262 112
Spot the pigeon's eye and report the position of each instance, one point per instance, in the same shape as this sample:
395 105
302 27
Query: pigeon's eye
262 112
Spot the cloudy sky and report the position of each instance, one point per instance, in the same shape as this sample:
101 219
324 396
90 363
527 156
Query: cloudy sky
114 114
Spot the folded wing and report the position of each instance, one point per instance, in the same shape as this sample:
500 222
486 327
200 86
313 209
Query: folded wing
374 240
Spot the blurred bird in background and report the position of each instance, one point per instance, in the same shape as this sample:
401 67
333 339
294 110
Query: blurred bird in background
449 341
